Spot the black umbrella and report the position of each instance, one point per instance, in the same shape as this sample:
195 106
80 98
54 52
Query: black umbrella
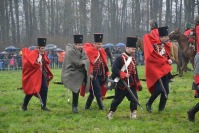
32 47
11 49
50 47
58 50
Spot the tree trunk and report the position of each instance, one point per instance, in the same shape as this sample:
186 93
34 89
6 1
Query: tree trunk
83 17
27 24
168 12
137 17
42 18
160 13
13 27
52 15
96 15
4 24
16 2
180 13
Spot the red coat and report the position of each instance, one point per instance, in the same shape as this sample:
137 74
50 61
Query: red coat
92 54
31 72
196 77
187 34
156 66
155 33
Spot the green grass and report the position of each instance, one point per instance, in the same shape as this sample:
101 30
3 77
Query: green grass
61 119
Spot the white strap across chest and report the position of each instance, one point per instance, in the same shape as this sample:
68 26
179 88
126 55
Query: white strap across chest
126 64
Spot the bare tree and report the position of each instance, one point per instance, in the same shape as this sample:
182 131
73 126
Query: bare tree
24 20
189 10
16 2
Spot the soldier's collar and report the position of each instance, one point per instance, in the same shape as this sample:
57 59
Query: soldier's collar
127 54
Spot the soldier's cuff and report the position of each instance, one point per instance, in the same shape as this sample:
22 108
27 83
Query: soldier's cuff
196 79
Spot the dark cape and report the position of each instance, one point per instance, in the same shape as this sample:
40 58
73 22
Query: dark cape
75 69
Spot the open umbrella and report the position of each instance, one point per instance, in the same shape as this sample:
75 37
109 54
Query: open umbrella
58 50
50 47
120 45
11 49
32 47
108 45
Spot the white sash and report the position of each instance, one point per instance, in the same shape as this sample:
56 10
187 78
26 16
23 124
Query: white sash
97 57
162 51
126 64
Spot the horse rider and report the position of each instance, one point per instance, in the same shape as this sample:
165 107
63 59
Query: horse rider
189 33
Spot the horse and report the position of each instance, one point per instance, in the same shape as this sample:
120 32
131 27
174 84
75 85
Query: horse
174 50
186 52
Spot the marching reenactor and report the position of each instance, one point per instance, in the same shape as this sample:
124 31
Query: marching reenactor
158 65
124 68
36 74
191 113
154 33
75 70
98 70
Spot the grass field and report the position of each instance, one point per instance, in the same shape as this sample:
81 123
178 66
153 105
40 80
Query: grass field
61 119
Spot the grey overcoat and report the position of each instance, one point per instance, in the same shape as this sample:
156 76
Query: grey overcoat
75 69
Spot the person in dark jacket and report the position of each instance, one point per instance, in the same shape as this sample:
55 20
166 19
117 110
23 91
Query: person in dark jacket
124 68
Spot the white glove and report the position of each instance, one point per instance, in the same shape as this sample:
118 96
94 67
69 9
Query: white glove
170 61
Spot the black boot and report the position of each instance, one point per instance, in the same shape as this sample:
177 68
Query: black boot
44 100
150 101
75 102
100 103
89 101
26 101
162 103
191 113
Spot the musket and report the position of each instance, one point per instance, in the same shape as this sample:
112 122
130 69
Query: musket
39 96
68 95
160 81
131 93
128 87
143 80
108 97
58 82
163 89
